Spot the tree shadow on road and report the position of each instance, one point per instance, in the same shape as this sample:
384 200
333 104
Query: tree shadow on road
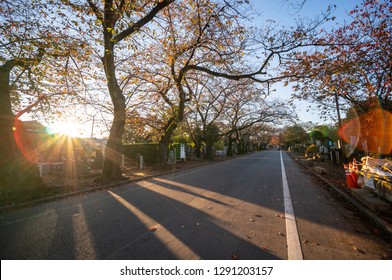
187 232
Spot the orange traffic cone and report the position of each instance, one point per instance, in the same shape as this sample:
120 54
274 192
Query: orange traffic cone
353 174
349 179
355 165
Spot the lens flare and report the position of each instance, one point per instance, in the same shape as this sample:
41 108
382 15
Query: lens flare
372 131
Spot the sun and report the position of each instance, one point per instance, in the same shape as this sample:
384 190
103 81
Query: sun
65 128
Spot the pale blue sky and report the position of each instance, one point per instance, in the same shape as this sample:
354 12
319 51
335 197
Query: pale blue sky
286 15
280 11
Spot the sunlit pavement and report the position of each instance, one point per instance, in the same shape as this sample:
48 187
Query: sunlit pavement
233 209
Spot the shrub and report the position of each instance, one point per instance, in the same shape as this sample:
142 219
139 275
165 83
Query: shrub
311 149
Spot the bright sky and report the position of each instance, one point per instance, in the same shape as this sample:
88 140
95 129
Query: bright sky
280 11
285 15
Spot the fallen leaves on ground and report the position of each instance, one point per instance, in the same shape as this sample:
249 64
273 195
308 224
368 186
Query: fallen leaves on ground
153 229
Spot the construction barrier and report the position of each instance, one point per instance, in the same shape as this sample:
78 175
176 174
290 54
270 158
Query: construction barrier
374 175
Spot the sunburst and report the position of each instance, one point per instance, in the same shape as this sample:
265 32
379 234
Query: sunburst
65 128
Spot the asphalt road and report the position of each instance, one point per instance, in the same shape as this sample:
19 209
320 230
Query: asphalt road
235 209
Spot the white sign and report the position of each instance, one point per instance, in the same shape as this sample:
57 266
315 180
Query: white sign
182 151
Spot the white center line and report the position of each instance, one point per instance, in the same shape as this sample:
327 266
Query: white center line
294 250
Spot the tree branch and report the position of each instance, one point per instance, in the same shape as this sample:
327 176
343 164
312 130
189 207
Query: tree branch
143 21
235 77
31 106
225 75
95 10
22 62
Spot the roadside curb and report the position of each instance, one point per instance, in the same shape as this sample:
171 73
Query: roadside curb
378 221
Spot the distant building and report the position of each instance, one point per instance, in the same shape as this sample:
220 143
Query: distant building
54 151
33 140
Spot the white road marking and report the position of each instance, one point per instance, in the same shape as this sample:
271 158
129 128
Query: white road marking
294 250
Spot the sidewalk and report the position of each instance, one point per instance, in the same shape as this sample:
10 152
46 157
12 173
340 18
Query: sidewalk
333 176
59 186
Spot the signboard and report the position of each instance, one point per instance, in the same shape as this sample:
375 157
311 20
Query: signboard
182 151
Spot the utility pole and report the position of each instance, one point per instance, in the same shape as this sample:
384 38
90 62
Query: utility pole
339 118
92 128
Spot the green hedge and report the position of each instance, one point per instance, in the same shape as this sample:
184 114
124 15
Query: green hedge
149 151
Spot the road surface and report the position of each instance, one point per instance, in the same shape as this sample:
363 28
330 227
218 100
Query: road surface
259 206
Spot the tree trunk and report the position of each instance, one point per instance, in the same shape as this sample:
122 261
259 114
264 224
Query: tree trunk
197 141
171 125
163 153
209 151
112 163
113 151
17 174
241 147
229 151
198 149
